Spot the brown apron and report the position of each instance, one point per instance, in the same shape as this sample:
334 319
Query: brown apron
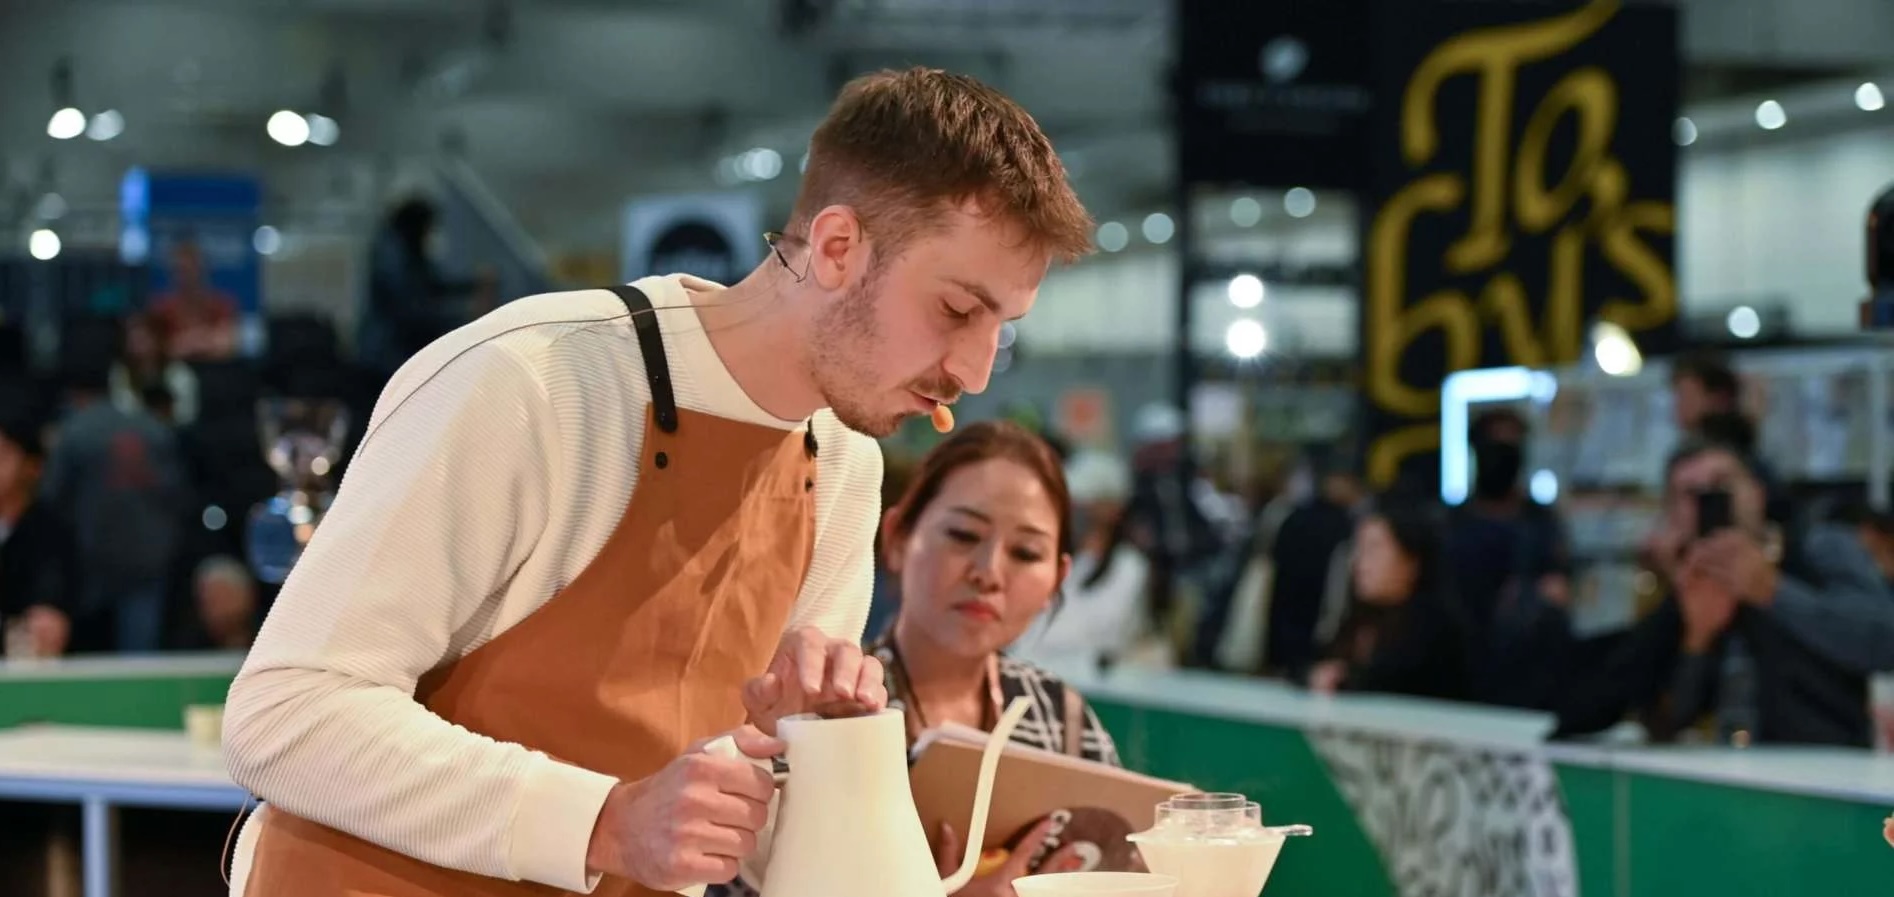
645 652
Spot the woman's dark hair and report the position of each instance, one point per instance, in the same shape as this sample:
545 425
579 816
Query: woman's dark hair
985 441
1418 532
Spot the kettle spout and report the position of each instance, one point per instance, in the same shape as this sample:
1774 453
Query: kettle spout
983 794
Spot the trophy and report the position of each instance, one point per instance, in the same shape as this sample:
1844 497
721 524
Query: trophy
302 441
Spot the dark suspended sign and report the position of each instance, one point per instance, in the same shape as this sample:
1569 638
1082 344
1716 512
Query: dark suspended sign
1273 92
1523 182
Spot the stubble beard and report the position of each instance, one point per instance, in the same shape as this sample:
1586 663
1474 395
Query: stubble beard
840 360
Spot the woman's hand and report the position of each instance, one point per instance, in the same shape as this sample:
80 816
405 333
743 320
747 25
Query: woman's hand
1326 677
999 882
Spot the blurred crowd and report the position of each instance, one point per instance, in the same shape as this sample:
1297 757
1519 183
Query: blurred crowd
1759 616
130 469
129 477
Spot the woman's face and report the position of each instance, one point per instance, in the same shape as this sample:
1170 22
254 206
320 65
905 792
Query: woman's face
1384 573
983 560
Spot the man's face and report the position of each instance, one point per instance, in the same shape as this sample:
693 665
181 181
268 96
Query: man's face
922 327
1708 471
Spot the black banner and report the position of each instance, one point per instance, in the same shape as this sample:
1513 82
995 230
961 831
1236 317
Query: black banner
1273 93
1523 181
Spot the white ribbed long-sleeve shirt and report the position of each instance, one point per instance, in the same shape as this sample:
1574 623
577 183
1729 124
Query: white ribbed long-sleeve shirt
497 462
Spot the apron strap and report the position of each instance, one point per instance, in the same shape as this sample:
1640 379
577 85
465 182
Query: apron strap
644 323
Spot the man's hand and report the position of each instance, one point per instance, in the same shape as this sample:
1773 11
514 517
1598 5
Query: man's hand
1325 678
689 824
1738 563
813 673
1708 607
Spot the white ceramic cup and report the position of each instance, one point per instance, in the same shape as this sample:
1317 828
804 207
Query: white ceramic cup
204 723
1094 884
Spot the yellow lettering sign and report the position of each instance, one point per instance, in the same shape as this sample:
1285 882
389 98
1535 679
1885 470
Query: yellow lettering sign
1508 195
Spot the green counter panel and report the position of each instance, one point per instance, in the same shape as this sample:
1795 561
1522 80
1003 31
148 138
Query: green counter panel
1700 838
146 703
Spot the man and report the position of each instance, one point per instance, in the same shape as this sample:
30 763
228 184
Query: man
591 531
1510 561
198 321
1767 632
1702 384
38 575
119 477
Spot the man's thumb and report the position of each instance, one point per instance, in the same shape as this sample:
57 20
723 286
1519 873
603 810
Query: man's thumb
756 745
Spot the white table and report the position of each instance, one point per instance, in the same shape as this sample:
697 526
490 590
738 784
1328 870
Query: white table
103 769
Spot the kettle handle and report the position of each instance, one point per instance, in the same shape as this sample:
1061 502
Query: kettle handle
983 793
726 746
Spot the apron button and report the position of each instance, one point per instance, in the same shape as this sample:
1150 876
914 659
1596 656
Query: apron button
662 460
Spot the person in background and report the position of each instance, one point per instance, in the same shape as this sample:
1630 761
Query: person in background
411 301
195 320
39 575
226 603
1874 529
1702 384
1302 551
1767 632
1101 615
1404 631
120 479
980 544
143 373
1509 556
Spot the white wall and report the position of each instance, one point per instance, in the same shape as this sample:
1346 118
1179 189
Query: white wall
1782 219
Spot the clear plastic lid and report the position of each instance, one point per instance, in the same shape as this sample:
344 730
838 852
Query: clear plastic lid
1206 816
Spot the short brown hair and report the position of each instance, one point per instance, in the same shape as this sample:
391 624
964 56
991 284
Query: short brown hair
897 145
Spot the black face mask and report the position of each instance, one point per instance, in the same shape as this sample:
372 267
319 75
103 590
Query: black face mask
1496 469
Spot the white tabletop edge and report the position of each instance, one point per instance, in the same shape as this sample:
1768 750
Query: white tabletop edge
137 666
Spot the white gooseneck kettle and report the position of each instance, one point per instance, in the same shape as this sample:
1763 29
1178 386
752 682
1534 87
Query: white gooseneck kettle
844 823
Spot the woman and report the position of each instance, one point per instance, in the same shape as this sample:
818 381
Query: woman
1402 633
1103 612
977 547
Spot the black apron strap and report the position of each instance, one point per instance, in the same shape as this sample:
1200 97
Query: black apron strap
644 322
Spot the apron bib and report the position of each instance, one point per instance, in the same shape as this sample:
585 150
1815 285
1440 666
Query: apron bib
642 654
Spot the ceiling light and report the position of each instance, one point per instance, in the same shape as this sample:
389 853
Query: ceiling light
1868 97
43 244
66 124
1246 291
1159 228
1770 115
1246 339
288 128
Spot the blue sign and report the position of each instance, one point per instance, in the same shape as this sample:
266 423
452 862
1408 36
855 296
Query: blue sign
194 225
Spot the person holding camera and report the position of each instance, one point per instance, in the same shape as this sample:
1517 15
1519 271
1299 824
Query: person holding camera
1767 633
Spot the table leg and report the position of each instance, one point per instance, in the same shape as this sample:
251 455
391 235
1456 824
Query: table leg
99 845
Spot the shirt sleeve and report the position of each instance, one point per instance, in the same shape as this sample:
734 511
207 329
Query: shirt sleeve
1849 618
841 579
443 502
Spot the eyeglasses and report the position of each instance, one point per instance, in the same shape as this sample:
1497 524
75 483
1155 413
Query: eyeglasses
775 239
